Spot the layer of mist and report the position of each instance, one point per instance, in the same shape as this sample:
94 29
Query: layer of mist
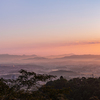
69 66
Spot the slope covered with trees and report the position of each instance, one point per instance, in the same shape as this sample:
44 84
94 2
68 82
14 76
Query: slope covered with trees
23 88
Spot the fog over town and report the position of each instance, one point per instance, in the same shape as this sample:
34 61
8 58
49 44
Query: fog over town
68 66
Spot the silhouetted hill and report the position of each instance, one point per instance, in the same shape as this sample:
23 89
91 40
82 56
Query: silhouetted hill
80 57
37 58
64 73
15 56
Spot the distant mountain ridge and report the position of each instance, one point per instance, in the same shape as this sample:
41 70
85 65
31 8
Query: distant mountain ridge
64 73
37 58
64 56
80 56
8 55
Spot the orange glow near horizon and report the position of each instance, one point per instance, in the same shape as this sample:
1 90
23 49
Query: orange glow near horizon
57 49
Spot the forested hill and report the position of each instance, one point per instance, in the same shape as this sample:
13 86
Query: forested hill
24 88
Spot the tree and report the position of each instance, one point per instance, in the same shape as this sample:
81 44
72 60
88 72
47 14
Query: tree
94 98
28 80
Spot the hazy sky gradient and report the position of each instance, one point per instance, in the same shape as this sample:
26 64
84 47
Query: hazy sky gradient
46 27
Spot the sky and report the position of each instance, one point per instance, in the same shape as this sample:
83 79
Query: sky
49 27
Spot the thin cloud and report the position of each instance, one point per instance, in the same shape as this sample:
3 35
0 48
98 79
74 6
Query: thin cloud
43 45
52 45
85 43
74 43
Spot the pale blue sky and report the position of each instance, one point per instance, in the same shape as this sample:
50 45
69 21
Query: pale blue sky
27 22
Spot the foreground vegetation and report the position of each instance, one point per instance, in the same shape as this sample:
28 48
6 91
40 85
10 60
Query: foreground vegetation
24 88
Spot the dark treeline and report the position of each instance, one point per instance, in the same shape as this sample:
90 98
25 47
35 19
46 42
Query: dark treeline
26 87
